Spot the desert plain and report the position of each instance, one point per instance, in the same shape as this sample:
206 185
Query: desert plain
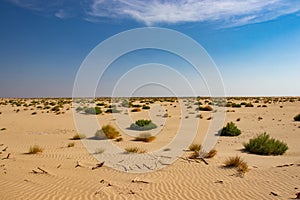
65 169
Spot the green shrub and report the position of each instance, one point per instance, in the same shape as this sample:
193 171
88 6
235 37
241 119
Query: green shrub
230 130
93 111
297 117
142 125
145 107
235 105
112 110
108 131
79 109
248 105
264 145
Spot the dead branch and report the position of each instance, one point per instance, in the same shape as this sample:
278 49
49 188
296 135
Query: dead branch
4 149
98 166
44 171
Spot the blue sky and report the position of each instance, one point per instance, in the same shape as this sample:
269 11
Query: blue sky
255 44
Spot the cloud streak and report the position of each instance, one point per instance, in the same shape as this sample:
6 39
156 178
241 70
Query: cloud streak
228 13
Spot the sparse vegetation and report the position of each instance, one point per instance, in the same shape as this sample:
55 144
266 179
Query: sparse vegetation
237 162
136 110
145 107
78 136
135 150
93 111
205 108
34 113
145 137
71 144
195 147
110 132
230 130
211 153
297 118
264 145
35 149
142 125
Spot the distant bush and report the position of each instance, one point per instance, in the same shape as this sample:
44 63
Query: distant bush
34 113
93 111
248 105
78 136
108 131
79 109
142 125
71 144
297 117
230 130
100 104
205 108
145 137
112 110
136 110
145 107
35 149
235 105
264 145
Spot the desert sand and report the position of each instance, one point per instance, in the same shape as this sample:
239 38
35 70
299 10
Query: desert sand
62 172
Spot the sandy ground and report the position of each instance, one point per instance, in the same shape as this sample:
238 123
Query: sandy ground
183 179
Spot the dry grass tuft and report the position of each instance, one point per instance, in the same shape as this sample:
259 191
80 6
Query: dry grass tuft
78 136
238 163
71 144
135 150
195 147
35 149
145 137
211 154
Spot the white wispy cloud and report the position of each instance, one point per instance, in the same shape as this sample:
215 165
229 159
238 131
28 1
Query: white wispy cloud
153 12
229 12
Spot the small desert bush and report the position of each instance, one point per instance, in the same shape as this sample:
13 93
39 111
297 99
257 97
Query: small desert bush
136 110
142 125
35 149
248 105
297 117
264 145
109 131
78 136
112 110
71 144
205 108
235 105
93 111
34 113
195 147
135 150
236 162
145 137
78 109
230 130
145 107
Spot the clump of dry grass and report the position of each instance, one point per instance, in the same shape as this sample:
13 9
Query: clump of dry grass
135 150
195 147
71 144
238 163
78 136
35 149
145 137
107 131
210 154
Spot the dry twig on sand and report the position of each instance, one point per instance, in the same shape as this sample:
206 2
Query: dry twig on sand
98 166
